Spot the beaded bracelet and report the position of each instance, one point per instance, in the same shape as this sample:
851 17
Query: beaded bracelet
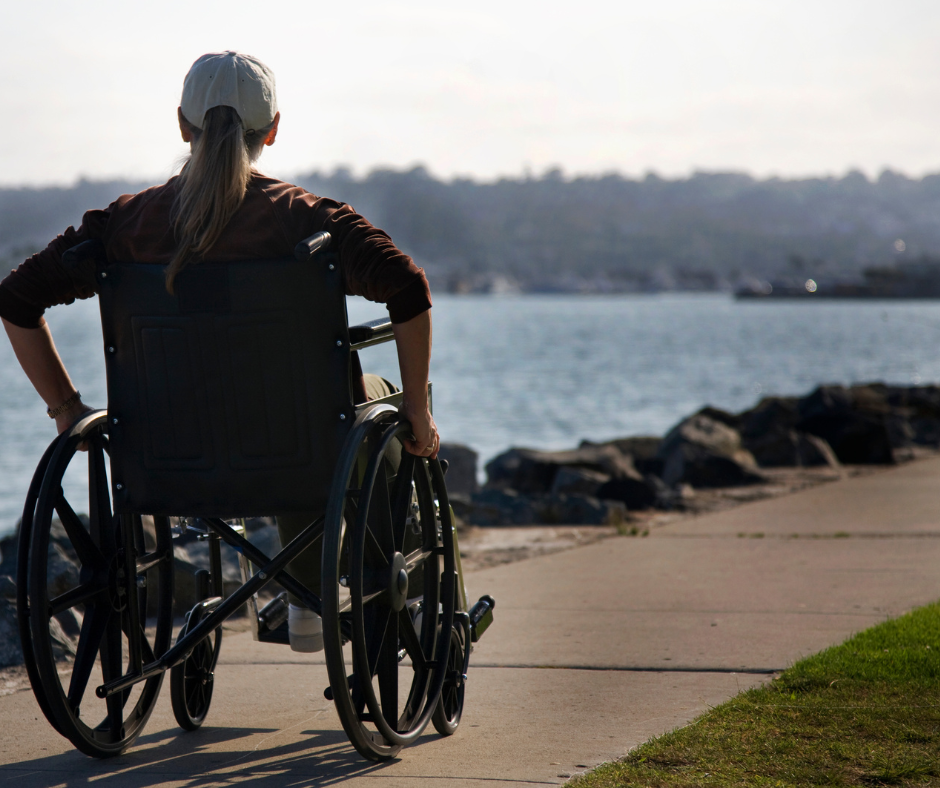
58 411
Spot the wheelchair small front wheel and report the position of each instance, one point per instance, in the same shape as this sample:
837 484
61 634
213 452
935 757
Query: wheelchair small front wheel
192 681
449 709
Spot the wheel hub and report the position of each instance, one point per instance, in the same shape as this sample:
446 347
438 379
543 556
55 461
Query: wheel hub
397 582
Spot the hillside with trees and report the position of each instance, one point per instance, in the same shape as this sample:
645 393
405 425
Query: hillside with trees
594 234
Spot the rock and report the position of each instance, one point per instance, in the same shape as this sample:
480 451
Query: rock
641 449
814 451
461 468
11 653
497 507
61 570
533 472
493 507
523 470
639 492
578 481
789 448
578 510
852 421
732 420
706 453
8 547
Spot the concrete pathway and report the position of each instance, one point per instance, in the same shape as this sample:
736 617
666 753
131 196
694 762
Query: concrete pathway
593 651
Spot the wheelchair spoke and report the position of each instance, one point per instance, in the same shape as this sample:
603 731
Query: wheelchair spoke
416 559
388 673
111 668
76 596
94 624
99 504
401 497
410 637
85 547
380 514
375 556
376 621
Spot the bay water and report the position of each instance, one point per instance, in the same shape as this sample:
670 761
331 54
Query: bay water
548 371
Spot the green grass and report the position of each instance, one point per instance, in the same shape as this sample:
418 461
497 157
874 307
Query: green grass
865 713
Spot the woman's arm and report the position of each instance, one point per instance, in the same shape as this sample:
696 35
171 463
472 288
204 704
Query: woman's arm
39 359
413 338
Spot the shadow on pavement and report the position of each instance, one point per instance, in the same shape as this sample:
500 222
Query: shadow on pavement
201 758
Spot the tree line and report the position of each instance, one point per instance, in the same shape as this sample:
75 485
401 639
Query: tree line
592 232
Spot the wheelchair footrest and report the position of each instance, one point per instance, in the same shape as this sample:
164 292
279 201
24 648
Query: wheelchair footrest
272 621
481 616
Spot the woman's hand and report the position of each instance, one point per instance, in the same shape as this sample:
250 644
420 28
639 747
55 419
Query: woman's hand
426 442
65 420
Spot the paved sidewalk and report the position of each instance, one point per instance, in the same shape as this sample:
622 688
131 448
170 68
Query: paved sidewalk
593 651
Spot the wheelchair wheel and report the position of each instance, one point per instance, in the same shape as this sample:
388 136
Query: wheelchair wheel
449 709
86 598
22 593
192 682
399 536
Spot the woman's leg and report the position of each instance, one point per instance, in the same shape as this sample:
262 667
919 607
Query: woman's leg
306 567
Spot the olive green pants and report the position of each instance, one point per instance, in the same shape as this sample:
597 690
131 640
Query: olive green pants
306 567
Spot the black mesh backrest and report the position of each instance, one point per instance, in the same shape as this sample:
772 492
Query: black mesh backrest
231 398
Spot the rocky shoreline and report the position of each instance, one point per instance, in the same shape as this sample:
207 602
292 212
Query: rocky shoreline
548 501
607 483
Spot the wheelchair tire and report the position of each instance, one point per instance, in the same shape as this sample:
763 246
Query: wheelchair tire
192 681
22 593
94 580
449 709
372 563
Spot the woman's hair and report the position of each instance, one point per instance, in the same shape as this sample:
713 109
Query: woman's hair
212 184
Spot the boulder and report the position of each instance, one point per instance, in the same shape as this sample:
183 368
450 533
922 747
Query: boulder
578 510
533 472
641 449
11 653
634 492
594 470
461 468
8 547
703 452
854 422
494 507
732 420
813 451
578 481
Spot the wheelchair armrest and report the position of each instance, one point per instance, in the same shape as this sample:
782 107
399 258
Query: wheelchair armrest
372 332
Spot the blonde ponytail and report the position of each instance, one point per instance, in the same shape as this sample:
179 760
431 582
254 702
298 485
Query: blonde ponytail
212 185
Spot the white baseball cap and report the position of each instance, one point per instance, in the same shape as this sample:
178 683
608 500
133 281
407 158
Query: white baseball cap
230 79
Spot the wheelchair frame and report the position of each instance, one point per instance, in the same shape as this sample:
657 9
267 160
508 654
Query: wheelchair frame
125 586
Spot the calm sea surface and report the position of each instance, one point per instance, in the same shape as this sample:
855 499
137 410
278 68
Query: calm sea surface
547 371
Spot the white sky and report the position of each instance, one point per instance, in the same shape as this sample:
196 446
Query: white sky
485 88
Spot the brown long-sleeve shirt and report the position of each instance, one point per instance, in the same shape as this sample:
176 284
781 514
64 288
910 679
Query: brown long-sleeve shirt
272 219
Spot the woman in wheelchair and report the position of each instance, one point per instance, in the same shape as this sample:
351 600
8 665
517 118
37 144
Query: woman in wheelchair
219 208
234 389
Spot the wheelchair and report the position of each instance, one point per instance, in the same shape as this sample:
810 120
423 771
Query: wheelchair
237 398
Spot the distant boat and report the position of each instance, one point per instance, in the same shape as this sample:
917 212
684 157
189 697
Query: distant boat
916 279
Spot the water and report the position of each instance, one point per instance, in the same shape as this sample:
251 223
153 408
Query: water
547 371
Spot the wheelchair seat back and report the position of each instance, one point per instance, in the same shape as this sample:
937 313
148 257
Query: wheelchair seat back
231 398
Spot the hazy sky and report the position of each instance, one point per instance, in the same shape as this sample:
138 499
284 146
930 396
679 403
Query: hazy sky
486 88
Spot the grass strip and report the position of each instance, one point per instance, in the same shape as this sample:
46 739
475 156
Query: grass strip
864 713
